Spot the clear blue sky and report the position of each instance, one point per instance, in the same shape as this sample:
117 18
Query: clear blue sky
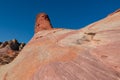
17 17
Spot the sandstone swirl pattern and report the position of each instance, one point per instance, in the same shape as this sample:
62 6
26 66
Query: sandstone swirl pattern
91 53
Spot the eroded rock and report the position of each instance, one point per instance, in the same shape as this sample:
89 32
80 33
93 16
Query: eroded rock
9 50
42 22
92 53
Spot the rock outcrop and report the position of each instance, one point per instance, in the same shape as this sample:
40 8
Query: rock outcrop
9 50
42 22
91 53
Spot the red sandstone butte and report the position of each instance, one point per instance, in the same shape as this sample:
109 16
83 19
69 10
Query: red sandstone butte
42 22
91 53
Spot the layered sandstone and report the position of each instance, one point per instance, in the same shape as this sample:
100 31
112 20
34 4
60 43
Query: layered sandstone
91 53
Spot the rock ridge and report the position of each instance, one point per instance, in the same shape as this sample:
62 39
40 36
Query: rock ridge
9 50
118 10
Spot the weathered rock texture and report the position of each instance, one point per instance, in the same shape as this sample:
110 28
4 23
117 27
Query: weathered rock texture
91 53
9 50
42 22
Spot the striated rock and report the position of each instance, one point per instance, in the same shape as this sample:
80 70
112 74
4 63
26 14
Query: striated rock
9 50
91 53
42 22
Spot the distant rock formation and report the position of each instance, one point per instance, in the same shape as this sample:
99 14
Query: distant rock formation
9 50
42 22
91 53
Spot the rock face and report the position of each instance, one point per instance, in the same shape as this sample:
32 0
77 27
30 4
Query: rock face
91 53
9 50
42 22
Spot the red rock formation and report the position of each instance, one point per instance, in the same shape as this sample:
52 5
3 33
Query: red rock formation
91 53
42 22
9 50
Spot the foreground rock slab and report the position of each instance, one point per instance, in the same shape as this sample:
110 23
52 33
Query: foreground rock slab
91 53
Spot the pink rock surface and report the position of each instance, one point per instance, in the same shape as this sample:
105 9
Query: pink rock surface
92 53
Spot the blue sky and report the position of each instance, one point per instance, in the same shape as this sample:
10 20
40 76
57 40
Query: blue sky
17 17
